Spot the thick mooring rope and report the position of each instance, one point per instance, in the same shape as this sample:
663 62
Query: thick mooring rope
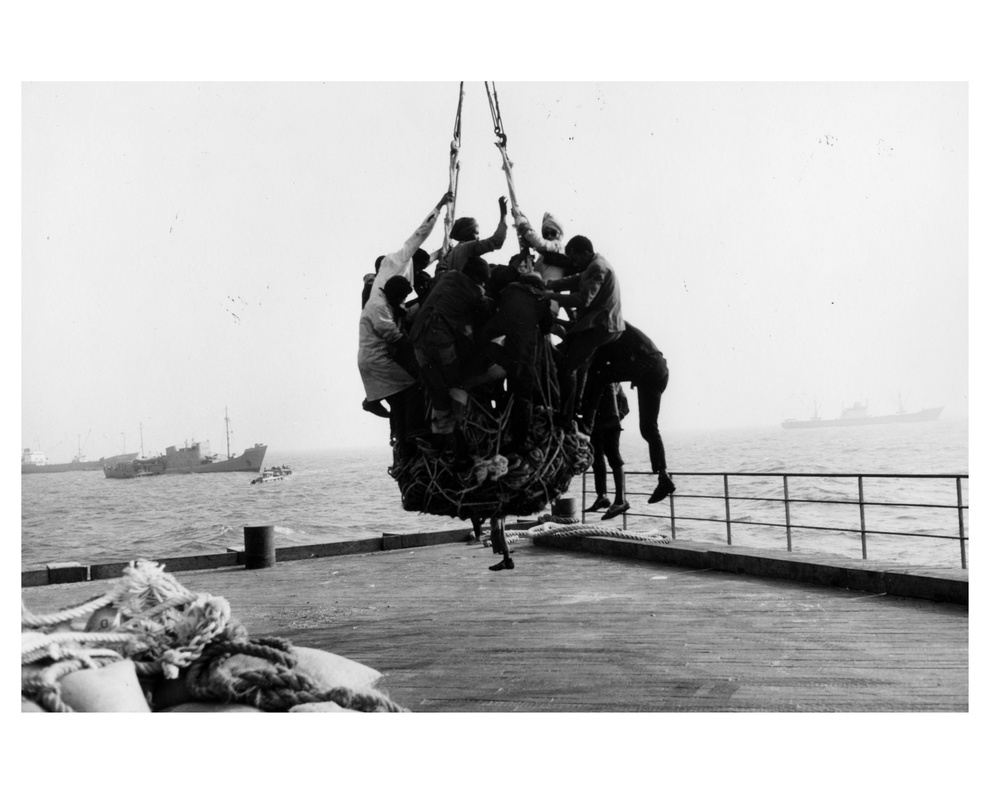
275 687
165 629
551 530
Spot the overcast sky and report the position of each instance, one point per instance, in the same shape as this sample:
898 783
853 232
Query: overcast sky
188 247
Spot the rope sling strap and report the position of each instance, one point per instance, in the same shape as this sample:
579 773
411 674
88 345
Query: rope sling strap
453 168
503 480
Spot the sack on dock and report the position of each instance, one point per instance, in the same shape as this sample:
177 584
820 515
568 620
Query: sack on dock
114 687
329 670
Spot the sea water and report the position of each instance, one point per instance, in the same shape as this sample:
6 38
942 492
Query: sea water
347 494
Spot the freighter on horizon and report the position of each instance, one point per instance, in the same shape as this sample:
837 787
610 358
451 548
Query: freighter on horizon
858 415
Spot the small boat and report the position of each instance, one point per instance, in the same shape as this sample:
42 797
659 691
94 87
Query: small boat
272 474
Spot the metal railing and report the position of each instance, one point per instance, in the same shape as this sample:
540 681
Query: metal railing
787 500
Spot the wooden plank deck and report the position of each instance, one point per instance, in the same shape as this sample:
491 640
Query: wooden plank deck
573 631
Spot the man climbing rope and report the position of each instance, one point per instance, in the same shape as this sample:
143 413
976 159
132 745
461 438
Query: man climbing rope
518 342
443 334
593 291
470 247
383 376
409 256
552 262
402 262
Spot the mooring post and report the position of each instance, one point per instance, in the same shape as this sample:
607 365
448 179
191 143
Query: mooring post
258 543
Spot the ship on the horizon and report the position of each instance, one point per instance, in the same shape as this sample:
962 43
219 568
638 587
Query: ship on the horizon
858 415
189 459
34 462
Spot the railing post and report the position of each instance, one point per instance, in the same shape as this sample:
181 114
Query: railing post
624 497
788 515
729 529
861 506
583 499
961 523
673 528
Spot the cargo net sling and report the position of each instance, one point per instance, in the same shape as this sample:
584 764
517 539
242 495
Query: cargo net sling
503 480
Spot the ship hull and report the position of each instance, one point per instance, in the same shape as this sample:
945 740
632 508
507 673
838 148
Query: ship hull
76 466
250 461
927 415
187 461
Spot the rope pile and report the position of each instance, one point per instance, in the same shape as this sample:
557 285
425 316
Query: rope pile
168 632
498 485
552 530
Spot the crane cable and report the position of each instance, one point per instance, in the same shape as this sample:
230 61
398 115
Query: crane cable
501 144
453 168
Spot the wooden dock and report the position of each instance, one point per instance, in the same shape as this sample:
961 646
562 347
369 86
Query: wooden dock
573 631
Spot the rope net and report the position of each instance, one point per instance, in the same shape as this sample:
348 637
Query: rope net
507 477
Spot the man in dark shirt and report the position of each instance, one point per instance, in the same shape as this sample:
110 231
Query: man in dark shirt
633 358
524 319
593 292
442 336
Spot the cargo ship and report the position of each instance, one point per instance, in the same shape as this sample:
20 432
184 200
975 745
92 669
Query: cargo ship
181 460
189 459
858 415
34 462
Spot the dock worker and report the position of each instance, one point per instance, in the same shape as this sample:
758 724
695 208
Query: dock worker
469 246
369 279
407 258
606 438
401 262
517 336
551 262
633 358
381 355
444 342
593 292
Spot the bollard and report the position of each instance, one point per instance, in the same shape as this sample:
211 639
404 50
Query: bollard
564 507
258 544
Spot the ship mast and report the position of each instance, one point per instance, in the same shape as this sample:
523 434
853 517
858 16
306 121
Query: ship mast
142 451
228 455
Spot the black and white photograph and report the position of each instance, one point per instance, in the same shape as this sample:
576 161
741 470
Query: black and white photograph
636 400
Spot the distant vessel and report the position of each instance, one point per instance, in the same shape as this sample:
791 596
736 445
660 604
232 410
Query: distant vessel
34 462
188 460
858 415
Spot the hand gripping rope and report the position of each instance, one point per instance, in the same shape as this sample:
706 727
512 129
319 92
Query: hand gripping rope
501 139
454 165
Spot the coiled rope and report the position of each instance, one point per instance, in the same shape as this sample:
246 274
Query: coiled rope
164 629
551 530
